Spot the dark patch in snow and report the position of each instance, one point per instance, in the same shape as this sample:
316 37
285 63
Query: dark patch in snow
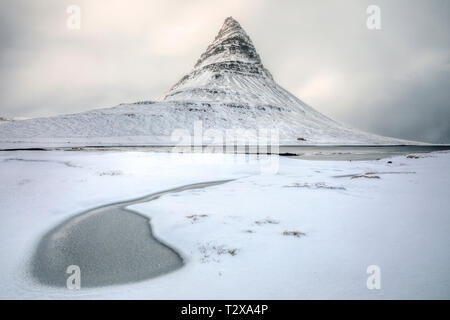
266 221
211 252
66 163
370 174
365 176
24 181
297 234
196 217
111 173
317 185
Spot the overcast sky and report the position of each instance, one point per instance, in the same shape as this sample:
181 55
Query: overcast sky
394 81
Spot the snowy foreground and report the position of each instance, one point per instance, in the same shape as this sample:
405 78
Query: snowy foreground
309 230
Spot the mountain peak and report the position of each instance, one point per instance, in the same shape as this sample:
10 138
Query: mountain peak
231 44
228 66
229 24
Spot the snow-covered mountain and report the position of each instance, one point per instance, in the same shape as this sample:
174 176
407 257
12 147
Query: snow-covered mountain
229 88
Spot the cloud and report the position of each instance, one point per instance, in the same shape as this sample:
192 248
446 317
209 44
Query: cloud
321 87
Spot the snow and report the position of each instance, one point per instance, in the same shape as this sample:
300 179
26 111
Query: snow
154 124
399 222
229 88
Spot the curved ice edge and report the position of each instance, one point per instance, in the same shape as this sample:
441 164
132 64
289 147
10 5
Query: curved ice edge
133 252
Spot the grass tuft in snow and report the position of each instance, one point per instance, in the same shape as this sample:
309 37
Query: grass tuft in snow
317 185
196 217
267 221
297 234
111 173
365 176
210 252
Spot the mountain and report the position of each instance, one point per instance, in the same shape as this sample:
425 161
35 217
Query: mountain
228 88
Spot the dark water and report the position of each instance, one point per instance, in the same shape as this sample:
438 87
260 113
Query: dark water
110 244
306 152
344 153
356 153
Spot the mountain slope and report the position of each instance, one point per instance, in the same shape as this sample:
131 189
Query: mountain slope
228 88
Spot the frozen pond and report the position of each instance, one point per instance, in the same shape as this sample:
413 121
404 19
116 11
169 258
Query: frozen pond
111 245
